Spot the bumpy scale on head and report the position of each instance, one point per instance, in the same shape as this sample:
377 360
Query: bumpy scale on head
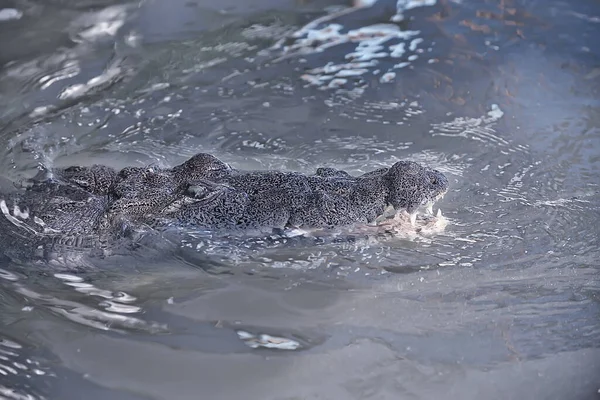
142 192
201 166
97 179
411 185
328 172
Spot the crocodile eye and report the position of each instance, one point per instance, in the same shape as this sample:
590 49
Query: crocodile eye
433 180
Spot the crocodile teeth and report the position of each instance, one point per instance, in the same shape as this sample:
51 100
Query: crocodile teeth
430 208
413 219
439 213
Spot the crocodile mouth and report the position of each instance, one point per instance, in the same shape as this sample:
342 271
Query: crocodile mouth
430 203
428 206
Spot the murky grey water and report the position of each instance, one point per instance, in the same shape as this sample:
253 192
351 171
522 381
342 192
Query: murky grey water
501 96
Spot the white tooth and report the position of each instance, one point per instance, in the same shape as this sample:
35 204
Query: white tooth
413 219
430 208
439 213
4 208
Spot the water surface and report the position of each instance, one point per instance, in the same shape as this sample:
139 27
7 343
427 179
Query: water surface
500 96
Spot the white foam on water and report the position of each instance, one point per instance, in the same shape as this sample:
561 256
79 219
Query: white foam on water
414 44
7 14
495 113
267 341
373 43
387 77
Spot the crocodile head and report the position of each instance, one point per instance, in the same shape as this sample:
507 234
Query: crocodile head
411 186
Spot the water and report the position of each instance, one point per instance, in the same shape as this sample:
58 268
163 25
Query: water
501 96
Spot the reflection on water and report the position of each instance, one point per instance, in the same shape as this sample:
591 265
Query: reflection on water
17 369
500 96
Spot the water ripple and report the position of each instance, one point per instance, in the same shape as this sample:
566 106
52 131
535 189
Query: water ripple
116 306
479 129
18 370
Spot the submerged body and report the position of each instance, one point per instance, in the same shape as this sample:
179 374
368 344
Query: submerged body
206 193
215 196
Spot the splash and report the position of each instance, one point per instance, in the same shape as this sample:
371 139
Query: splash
399 225
372 43
7 14
267 341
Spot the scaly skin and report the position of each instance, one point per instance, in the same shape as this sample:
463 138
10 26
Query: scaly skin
263 200
207 193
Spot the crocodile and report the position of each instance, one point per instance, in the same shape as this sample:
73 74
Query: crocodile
266 200
92 205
